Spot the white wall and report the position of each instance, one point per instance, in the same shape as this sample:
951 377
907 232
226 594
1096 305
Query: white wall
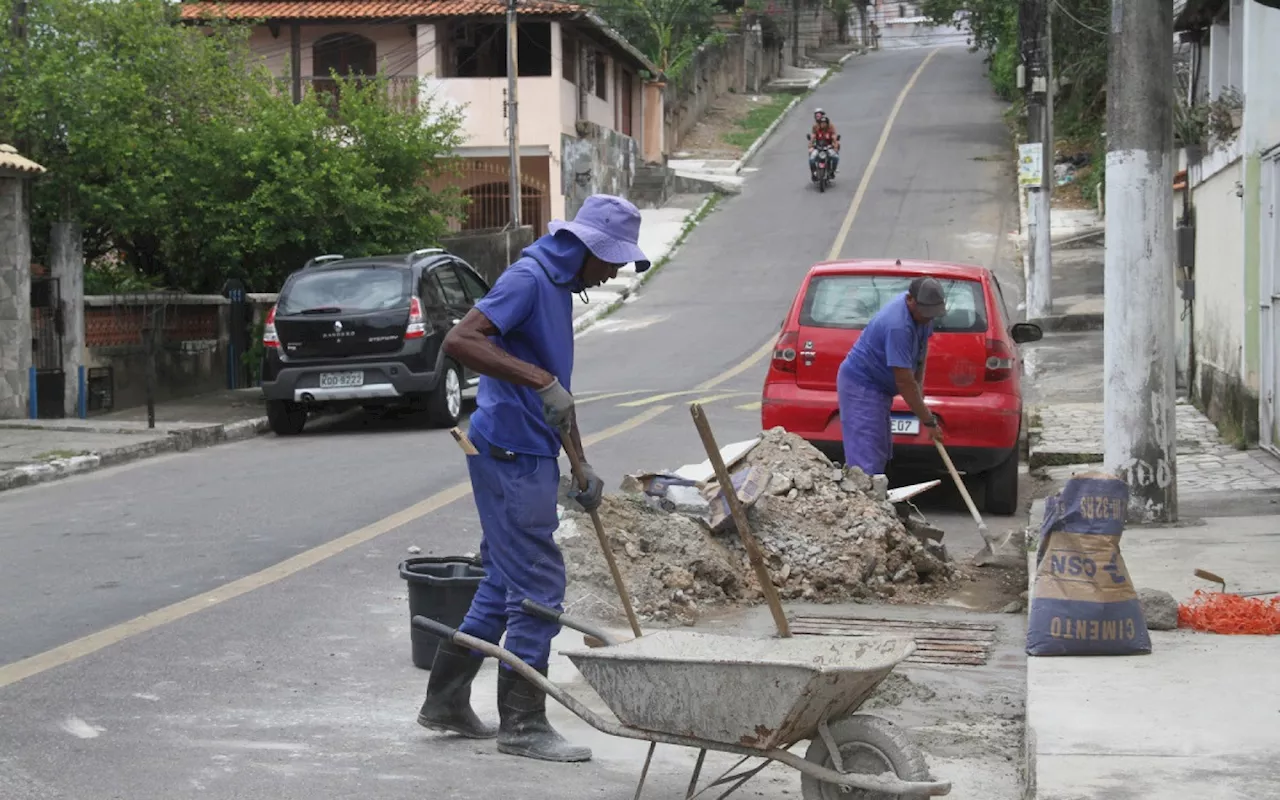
1261 78
398 46
1219 300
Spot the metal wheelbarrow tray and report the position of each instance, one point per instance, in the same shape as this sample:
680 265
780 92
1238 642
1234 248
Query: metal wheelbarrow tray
753 698
760 693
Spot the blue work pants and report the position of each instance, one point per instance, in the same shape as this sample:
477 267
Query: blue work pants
516 497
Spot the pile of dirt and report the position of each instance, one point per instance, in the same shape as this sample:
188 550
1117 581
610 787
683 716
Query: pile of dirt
826 536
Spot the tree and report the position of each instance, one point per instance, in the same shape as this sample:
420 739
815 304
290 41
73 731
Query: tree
175 148
669 32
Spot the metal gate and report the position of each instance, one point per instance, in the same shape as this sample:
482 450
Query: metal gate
48 378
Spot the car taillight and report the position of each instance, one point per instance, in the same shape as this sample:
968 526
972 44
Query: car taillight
999 366
417 323
784 352
269 336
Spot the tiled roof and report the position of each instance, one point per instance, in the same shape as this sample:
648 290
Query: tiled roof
11 161
370 9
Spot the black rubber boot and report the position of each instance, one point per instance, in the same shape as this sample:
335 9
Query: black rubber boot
523 729
448 703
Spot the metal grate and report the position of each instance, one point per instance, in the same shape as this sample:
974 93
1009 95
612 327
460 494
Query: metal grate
947 643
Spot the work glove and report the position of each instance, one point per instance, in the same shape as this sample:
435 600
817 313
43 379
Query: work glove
557 405
588 498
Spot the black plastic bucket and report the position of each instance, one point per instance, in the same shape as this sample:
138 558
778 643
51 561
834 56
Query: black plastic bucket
439 589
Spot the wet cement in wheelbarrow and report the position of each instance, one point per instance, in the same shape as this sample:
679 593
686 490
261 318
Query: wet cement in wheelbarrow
968 721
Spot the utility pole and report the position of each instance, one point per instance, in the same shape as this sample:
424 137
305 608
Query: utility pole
513 106
1140 428
795 33
1037 61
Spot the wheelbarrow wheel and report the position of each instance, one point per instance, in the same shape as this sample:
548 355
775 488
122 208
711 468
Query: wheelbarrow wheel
868 745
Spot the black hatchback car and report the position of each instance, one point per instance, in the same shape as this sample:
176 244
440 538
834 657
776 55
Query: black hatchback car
368 332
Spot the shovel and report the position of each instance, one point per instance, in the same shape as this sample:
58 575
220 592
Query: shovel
1206 575
990 544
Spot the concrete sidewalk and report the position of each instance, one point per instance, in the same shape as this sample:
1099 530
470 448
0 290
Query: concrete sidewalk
34 451
1198 718
661 232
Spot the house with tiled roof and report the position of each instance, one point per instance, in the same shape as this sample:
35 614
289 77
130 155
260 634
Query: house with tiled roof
589 111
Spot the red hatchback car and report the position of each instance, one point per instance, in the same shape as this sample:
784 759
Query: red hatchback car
972 378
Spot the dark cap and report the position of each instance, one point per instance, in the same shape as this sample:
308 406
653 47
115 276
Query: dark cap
927 293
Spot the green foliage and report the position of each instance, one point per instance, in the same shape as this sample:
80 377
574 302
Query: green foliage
175 148
758 120
669 32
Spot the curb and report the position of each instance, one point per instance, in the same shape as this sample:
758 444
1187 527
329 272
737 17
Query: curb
588 319
176 442
763 137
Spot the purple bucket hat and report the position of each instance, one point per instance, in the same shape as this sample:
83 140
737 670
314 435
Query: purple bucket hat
610 228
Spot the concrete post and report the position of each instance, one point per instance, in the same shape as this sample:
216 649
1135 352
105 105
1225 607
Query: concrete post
1140 429
15 298
1039 130
66 257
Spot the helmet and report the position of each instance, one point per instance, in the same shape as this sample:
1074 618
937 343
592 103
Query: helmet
818 113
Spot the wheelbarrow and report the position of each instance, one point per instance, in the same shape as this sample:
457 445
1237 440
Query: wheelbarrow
753 698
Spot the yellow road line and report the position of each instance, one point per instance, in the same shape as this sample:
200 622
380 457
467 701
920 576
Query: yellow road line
734 371
86 645
715 397
607 396
838 245
657 398
749 406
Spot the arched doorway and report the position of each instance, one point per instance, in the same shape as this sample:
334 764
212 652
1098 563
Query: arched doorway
489 206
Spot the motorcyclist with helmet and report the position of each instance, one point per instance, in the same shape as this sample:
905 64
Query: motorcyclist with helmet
823 133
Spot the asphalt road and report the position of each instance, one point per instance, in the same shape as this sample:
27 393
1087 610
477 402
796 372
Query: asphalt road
245 621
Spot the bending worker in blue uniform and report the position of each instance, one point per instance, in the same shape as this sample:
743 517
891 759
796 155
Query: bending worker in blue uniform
887 360
519 337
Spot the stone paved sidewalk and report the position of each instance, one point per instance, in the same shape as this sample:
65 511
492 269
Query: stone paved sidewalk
1067 438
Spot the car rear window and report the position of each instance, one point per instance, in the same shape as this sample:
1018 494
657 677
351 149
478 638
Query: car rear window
850 301
359 289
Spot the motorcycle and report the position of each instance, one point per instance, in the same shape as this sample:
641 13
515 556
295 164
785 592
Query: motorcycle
823 167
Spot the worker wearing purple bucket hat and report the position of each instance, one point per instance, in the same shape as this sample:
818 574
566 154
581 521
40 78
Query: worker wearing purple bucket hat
519 337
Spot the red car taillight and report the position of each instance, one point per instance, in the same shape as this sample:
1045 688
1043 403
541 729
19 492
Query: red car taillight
417 323
999 366
784 352
269 336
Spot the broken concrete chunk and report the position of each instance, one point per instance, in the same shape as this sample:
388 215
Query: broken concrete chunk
880 487
1160 609
804 482
1015 607
780 484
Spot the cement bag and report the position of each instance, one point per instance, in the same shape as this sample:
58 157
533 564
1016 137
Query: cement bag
1084 602
750 483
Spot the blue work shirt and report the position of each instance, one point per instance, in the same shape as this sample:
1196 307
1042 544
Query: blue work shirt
531 305
891 339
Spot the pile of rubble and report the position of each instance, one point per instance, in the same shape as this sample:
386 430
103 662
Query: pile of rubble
828 535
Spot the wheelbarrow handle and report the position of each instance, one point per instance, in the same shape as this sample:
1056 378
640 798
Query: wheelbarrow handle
433 627
561 618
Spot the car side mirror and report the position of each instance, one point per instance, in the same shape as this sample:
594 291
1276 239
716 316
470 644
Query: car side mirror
837 137
809 137
1023 332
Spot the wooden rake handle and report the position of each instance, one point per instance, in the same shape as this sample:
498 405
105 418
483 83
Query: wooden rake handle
575 464
740 520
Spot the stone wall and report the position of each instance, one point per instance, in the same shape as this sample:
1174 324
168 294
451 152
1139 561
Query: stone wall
191 353
597 161
489 252
740 63
15 299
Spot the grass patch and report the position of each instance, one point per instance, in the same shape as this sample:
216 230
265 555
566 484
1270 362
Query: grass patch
757 120
54 455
